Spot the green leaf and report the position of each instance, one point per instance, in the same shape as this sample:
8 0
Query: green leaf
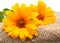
1 16
5 9
3 13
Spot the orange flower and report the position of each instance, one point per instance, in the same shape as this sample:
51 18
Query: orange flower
23 21
45 14
19 23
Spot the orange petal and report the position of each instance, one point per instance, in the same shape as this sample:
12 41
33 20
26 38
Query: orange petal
21 35
49 20
16 9
37 22
8 22
27 15
49 12
12 16
31 17
31 26
26 33
10 33
13 33
31 31
23 6
4 26
33 8
34 14
30 36
10 28
41 7
16 33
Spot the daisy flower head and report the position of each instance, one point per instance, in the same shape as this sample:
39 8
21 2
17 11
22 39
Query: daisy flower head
45 14
18 22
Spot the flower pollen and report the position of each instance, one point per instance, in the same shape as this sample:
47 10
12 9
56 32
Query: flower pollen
40 17
21 23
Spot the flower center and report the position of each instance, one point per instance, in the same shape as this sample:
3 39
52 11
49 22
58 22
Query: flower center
21 23
40 17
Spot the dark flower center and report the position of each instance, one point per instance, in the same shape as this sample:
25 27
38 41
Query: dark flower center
21 23
40 17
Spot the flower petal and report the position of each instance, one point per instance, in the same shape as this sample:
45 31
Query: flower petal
23 6
4 26
16 8
32 32
49 20
34 14
33 8
26 33
30 36
21 35
8 22
12 16
41 7
31 26
10 28
49 12
10 33
37 22
16 33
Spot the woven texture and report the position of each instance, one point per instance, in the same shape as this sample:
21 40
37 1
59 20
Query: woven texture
46 34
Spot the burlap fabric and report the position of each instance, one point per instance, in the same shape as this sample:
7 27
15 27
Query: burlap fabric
46 34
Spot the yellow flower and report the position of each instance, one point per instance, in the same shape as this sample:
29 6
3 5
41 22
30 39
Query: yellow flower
45 14
19 23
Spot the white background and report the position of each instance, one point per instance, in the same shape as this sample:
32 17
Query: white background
54 4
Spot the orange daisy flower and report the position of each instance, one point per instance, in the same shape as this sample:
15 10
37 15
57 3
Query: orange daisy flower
45 14
18 22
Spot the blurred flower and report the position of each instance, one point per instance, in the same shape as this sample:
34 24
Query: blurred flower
45 14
